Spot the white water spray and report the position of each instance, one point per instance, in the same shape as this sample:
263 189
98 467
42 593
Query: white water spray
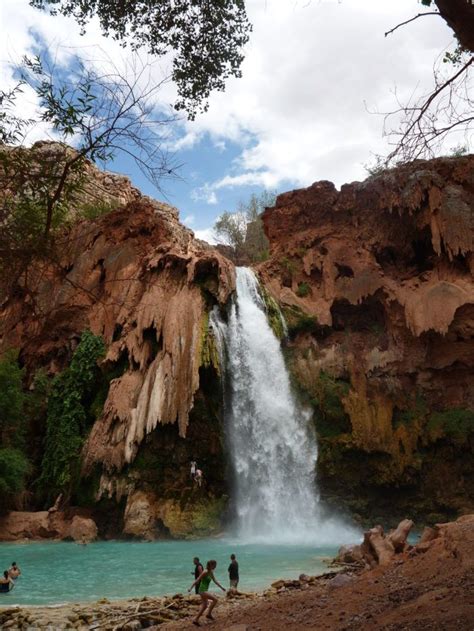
271 441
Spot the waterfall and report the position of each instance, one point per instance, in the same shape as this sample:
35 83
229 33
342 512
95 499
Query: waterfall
270 437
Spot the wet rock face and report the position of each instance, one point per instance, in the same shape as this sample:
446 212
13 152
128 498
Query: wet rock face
376 283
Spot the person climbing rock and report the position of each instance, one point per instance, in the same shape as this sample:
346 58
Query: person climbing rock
233 570
198 570
206 597
193 469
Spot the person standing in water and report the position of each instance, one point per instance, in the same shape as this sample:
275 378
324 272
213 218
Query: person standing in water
233 570
6 583
14 571
206 597
198 570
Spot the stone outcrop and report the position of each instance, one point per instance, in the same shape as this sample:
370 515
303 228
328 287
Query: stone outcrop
19 525
376 283
149 517
138 278
98 189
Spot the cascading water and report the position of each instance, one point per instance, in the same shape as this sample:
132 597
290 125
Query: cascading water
272 446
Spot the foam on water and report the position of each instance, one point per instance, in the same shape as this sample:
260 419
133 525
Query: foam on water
271 440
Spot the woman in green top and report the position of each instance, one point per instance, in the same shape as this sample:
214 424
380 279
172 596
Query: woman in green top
204 581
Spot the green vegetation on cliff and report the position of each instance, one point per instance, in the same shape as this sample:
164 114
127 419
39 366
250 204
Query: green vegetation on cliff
455 422
327 393
14 464
274 316
69 415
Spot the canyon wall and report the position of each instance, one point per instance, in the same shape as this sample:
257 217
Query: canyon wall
140 280
376 284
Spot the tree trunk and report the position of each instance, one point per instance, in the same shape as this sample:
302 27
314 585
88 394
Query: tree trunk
398 538
459 14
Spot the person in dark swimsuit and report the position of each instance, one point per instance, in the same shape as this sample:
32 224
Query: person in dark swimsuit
206 597
6 583
198 570
233 570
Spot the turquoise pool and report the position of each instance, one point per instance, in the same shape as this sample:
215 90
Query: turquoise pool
59 572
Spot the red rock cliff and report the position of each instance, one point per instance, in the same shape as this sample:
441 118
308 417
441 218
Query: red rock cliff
376 281
140 279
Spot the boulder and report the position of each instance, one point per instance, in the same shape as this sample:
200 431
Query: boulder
139 520
83 529
339 581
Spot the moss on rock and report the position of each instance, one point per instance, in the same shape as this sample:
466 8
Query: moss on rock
196 519
274 314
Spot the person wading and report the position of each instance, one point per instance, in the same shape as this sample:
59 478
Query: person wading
206 597
233 570
198 570
6 583
14 571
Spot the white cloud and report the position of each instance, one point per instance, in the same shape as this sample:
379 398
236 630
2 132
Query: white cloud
189 220
206 234
311 71
205 194
299 114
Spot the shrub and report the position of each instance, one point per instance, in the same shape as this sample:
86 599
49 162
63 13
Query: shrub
13 469
303 289
302 324
456 421
12 399
327 393
69 412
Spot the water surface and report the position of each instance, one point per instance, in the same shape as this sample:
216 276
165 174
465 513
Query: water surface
59 572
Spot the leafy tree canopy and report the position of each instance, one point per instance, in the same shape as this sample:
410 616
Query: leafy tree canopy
207 37
243 229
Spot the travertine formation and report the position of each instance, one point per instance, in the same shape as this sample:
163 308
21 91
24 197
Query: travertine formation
140 279
376 281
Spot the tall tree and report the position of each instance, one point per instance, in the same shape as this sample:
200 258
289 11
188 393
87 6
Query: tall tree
243 229
206 37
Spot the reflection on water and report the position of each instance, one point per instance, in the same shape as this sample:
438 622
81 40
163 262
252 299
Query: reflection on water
58 572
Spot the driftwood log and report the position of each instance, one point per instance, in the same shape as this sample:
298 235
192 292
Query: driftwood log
377 548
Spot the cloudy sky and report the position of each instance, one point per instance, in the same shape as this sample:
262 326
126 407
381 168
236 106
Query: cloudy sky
315 74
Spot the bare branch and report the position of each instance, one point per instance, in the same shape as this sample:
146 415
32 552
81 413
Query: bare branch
420 15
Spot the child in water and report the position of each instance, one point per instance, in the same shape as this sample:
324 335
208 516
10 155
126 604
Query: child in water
204 581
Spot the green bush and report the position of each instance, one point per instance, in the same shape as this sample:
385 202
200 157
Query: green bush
12 399
456 421
329 415
69 415
14 467
288 265
302 324
416 412
303 289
